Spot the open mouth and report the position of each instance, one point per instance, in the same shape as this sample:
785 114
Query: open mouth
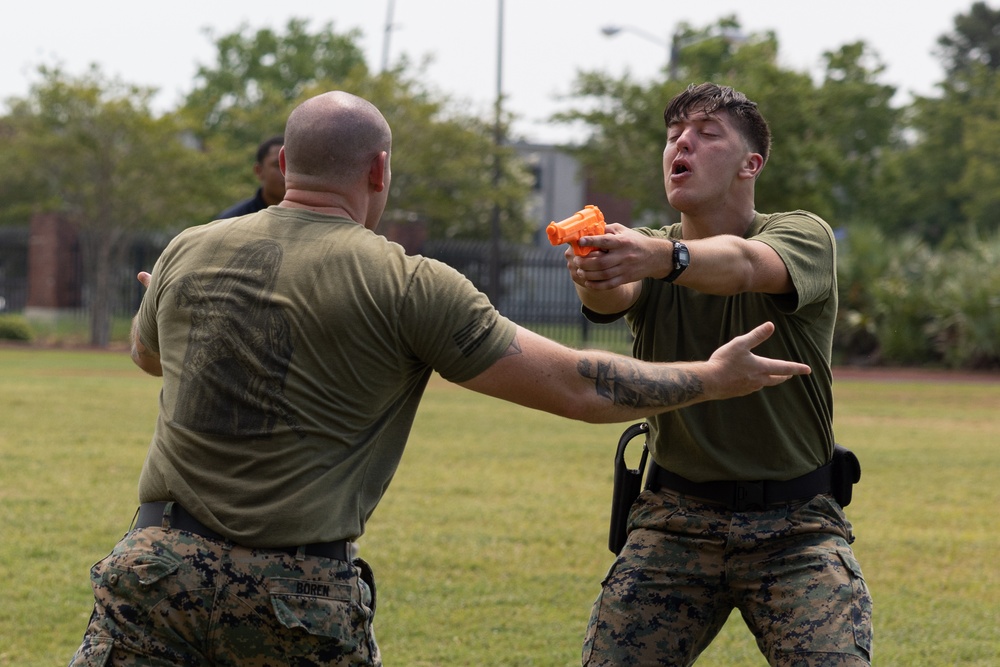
680 168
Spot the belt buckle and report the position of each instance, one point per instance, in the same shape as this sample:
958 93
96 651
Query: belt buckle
749 495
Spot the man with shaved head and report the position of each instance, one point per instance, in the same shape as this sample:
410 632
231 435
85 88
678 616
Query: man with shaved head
294 346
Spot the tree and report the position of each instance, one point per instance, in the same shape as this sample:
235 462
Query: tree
975 40
942 184
259 75
442 163
442 156
826 139
856 116
245 96
623 154
90 149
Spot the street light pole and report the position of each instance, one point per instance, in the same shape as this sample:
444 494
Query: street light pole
612 30
675 43
494 288
389 26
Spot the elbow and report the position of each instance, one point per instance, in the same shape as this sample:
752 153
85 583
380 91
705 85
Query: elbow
149 363
151 367
589 413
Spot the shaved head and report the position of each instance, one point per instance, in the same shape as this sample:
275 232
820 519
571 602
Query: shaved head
333 138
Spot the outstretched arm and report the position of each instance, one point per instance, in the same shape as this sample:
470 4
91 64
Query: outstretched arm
725 264
596 386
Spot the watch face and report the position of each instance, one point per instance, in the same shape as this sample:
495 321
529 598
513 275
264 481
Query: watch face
682 257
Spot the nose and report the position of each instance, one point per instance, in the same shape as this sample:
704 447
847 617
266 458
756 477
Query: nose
684 139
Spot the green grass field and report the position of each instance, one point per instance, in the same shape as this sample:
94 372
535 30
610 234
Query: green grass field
491 543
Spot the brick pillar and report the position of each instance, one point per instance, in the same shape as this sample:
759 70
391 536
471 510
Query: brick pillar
53 263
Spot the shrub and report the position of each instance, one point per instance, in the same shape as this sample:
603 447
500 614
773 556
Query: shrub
905 302
14 327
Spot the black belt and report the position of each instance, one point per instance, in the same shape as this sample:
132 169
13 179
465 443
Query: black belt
152 514
740 496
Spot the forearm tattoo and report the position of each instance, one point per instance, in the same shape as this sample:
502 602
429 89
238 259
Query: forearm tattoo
626 384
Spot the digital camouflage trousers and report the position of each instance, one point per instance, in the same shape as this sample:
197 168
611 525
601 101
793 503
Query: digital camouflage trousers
687 564
168 597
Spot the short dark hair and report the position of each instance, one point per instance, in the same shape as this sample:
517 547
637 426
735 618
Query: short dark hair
709 98
266 146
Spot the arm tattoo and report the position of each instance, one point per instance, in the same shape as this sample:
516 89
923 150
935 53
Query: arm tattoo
625 384
513 349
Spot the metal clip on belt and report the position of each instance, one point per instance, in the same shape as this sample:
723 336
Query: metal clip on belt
171 516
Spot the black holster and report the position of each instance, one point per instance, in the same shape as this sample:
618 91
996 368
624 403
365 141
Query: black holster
627 487
844 474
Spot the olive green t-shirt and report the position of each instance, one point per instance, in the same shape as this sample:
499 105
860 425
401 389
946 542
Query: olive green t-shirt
295 348
779 432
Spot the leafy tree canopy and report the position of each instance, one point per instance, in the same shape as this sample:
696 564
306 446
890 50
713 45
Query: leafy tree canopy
91 148
443 158
827 136
975 40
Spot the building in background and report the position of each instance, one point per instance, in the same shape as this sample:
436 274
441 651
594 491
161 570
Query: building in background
561 188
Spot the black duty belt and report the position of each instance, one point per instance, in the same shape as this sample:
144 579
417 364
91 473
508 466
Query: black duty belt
152 514
740 496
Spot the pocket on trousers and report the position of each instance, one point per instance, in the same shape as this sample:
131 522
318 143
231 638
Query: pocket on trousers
861 607
321 608
149 569
139 579
93 652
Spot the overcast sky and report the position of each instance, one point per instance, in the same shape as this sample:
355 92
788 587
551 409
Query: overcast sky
545 41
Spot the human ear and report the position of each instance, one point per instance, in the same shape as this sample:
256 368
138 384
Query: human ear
376 173
753 165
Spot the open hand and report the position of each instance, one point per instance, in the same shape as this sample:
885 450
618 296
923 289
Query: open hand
742 372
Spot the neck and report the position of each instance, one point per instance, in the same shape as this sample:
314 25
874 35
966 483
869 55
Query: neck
328 203
724 221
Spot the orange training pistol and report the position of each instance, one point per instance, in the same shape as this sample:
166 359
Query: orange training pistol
587 222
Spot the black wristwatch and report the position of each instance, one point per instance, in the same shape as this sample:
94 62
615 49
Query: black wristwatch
681 260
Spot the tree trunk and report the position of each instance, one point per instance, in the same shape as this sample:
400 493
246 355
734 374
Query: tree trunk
101 249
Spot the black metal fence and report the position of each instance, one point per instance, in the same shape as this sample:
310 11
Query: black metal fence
13 268
534 291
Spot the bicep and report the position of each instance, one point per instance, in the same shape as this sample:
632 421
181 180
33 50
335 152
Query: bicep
769 273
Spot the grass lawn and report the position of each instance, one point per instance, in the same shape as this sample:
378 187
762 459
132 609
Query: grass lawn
491 543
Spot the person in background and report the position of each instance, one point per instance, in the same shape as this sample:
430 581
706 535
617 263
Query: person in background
740 508
294 346
272 182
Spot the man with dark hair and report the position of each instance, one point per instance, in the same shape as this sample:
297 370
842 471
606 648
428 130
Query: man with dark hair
272 181
739 509
294 346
